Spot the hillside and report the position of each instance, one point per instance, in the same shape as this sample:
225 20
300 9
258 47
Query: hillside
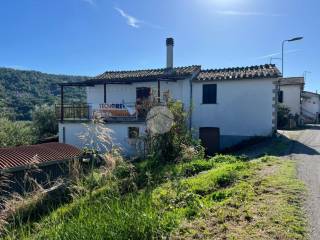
21 90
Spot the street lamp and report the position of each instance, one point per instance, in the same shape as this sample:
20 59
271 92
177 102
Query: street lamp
289 40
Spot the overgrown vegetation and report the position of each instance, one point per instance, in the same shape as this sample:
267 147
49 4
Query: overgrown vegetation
177 144
283 116
16 133
220 198
45 121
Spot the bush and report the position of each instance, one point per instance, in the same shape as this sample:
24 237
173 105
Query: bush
178 144
16 133
45 121
283 116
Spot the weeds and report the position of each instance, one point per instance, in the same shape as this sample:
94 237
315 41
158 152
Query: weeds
224 197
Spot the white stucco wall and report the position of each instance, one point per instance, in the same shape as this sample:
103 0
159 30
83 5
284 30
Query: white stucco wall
116 132
244 107
311 104
292 98
118 93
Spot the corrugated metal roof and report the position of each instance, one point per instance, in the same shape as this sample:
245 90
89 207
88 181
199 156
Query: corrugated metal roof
261 71
14 157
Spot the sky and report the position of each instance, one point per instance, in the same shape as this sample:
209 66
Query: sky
89 37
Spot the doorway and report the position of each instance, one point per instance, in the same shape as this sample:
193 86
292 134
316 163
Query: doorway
210 139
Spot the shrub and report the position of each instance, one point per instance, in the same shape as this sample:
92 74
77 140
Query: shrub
45 121
283 116
16 133
177 144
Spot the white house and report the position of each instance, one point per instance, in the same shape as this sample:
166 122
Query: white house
226 106
311 107
290 94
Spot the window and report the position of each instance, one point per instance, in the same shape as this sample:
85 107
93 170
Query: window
133 132
209 94
280 97
143 93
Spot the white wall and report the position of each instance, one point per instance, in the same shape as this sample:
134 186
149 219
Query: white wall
244 107
292 98
117 93
116 132
312 103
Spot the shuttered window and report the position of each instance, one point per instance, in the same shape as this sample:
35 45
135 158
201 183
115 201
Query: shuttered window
209 93
280 97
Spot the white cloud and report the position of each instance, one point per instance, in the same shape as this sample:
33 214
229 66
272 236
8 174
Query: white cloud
244 13
131 21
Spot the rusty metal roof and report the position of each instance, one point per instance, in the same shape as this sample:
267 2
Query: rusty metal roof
15 157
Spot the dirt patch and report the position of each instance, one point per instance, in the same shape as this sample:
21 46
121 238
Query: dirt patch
268 171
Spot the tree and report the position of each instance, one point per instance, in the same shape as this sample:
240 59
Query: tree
45 121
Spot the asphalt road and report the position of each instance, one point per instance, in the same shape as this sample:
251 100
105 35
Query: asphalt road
306 151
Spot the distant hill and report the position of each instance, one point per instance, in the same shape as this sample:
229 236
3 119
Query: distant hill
21 91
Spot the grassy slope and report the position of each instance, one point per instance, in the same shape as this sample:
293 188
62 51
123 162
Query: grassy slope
231 199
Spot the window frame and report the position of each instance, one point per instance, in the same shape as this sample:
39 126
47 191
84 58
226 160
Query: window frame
206 101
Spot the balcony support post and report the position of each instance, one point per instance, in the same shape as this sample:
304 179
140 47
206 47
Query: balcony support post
61 105
105 93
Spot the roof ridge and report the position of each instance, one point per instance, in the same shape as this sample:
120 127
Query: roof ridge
238 68
149 69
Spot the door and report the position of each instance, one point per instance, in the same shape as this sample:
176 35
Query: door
210 138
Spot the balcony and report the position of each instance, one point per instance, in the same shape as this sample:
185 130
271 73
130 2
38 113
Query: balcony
105 112
73 112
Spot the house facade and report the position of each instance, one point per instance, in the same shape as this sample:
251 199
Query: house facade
311 107
290 94
226 106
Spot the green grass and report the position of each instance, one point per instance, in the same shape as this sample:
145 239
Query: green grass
221 198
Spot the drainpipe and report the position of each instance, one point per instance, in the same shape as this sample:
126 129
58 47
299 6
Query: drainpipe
191 98
190 104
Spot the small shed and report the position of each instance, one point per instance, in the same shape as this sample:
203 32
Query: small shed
43 163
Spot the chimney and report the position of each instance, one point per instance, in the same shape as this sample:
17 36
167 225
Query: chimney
170 43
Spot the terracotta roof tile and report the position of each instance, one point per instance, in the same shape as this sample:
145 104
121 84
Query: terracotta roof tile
143 75
261 71
24 155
